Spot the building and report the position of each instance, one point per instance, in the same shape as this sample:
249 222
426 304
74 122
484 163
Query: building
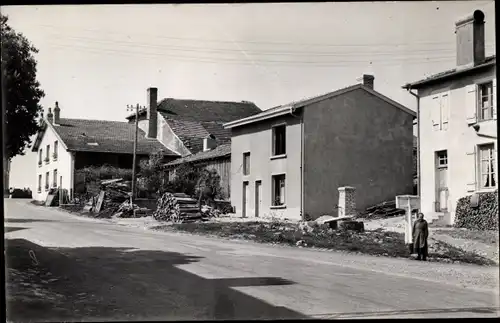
290 160
458 127
66 145
182 125
212 158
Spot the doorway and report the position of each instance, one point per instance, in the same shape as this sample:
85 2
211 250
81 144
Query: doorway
442 181
258 198
246 196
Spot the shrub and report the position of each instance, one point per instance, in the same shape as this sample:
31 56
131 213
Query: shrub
88 179
151 175
18 193
484 217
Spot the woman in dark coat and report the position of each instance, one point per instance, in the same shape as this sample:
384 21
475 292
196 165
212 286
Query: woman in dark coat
420 235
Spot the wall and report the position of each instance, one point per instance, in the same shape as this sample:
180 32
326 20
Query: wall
169 139
223 168
62 164
356 139
257 139
459 139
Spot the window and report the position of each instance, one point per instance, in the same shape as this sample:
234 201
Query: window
279 140
279 190
56 144
487 166
485 97
54 184
246 163
47 156
47 181
39 183
40 154
442 158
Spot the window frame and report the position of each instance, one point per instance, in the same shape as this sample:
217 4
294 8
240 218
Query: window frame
274 144
246 163
491 173
479 101
40 180
54 172
47 181
274 181
442 155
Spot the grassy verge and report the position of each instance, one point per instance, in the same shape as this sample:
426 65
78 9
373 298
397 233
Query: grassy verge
377 242
486 237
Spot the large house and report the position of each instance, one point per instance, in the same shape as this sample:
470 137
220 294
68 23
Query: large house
289 161
458 127
177 127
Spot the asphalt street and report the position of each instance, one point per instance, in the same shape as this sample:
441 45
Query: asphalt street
104 271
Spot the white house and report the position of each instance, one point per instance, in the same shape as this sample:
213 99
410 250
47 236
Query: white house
457 125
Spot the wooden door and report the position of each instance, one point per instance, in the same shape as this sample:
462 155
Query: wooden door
246 197
258 198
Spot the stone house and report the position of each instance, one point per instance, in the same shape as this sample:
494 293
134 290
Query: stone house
458 125
290 160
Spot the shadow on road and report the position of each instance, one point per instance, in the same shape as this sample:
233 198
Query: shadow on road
98 283
13 229
11 220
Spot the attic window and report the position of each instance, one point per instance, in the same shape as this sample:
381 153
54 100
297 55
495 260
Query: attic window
92 144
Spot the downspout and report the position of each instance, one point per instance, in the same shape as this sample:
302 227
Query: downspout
418 141
292 110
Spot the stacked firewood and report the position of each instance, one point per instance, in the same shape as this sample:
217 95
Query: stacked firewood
179 207
116 193
384 209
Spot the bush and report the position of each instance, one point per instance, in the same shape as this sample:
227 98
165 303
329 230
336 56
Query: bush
88 179
484 217
18 193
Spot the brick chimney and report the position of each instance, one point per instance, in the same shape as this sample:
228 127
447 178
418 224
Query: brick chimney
50 116
57 114
367 80
470 40
152 112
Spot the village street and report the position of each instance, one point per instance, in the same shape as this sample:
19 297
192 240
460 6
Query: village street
103 271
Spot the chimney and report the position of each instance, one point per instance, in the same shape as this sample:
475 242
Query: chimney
209 143
50 116
470 40
151 111
367 80
57 114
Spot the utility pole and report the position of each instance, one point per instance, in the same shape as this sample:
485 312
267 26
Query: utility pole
130 108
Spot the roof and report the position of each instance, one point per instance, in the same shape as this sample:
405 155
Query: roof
103 136
222 151
206 111
285 109
439 77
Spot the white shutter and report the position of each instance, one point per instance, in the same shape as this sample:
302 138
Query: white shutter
435 113
445 110
470 169
471 103
494 98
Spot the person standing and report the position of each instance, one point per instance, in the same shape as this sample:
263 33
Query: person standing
420 235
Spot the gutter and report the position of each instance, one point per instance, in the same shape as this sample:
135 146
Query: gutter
419 181
302 144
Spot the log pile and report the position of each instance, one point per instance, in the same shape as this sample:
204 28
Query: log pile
382 210
179 207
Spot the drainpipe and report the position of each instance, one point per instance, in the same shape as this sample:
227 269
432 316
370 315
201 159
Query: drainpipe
292 110
418 141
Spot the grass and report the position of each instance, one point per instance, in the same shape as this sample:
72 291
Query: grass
486 237
377 242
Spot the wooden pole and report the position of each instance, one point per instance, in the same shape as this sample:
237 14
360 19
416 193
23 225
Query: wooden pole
132 196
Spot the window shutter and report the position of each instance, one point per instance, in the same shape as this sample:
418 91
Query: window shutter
471 104
445 110
471 165
494 98
435 112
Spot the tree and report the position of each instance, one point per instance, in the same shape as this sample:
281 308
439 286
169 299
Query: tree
20 89
152 176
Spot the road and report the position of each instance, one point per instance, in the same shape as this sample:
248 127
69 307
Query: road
105 271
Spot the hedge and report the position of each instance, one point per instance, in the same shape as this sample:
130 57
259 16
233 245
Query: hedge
484 217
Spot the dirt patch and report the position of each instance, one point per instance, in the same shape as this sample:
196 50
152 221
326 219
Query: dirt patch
372 242
489 237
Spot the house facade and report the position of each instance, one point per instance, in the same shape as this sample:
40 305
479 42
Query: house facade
458 127
289 161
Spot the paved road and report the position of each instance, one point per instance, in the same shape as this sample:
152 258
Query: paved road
111 272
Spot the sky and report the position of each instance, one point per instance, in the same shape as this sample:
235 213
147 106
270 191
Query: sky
95 60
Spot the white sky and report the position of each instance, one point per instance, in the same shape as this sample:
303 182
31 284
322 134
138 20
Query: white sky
95 60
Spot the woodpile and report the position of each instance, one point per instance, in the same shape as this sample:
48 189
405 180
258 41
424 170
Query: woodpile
382 210
179 207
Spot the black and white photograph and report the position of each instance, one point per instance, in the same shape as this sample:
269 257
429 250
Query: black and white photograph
250 161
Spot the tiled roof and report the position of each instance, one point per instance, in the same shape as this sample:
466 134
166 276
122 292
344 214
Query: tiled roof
218 152
105 136
449 73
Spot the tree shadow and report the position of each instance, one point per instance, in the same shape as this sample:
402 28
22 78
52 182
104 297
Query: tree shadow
98 283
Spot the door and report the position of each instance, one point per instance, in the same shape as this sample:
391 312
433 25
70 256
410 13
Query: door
246 196
258 198
442 181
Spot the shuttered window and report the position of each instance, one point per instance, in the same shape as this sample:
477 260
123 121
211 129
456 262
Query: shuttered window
487 166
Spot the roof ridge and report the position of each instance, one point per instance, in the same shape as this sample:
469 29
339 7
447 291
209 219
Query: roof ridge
214 101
